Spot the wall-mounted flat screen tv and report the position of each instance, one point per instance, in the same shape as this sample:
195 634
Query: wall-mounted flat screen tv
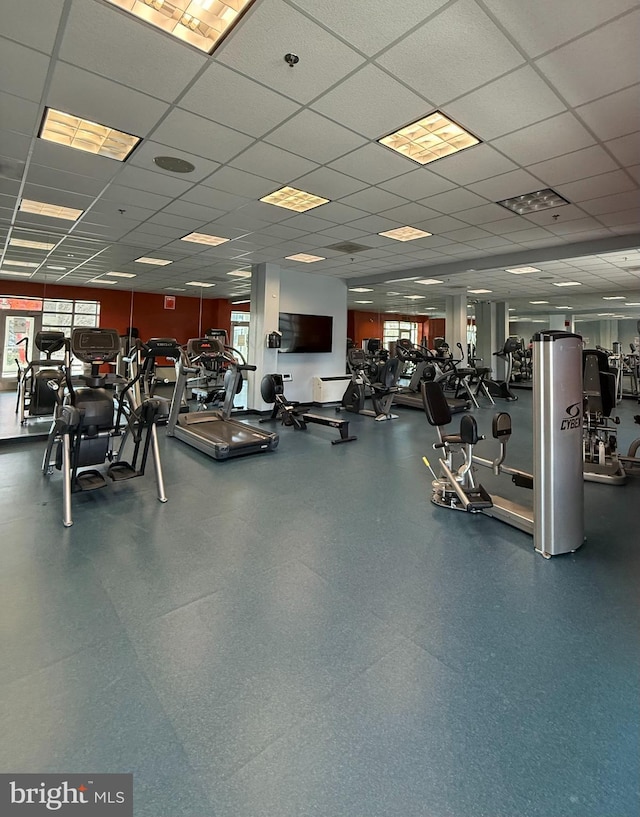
304 334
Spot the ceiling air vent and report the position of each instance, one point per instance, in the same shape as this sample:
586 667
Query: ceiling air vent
348 247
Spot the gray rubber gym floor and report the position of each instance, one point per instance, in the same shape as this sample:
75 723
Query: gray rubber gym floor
302 633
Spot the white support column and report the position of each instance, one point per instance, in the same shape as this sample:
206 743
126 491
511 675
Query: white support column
556 321
498 364
265 308
456 322
486 343
608 333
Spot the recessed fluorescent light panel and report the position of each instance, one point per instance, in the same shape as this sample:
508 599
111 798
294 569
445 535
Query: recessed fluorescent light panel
202 24
480 291
293 199
633 303
360 289
564 307
34 245
414 297
397 280
306 259
429 139
121 274
240 273
235 303
175 289
20 263
160 262
363 302
75 132
538 302
203 238
522 270
199 284
41 208
534 202
613 297
428 281
568 284
101 281
405 234
16 273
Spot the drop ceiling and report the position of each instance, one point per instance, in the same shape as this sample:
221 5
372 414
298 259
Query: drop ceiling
551 89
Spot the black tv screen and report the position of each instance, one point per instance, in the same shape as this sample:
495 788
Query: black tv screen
303 334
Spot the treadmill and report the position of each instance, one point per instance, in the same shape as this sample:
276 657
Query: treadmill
214 432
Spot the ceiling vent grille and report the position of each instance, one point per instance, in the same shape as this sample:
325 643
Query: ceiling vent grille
348 247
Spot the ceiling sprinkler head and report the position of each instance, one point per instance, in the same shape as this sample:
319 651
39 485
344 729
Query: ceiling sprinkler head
291 59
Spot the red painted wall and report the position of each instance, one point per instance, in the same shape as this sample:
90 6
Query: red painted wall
361 325
144 310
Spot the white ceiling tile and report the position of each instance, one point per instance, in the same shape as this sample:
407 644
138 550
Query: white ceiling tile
139 198
410 214
18 23
272 29
461 29
188 209
616 219
567 212
328 183
236 101
473 165
373 164
453 200
612 204
507 185
200 136
596 64
315 137
483 214
546 24
309 222
214 198
635 172
577 225
273 163
373 200
373 30
440 225
468 234
545 140
340 212
530 234
19 115
59 180
375 224
370 102
14 146
603 185
615 115
50 154
506 225
23 70
236 181
81 93
491 243
115 44
626 149
587 162
267 213
161 183
417 184
507 104
144 155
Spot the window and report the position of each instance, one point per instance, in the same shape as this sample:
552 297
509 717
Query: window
65 315
392 330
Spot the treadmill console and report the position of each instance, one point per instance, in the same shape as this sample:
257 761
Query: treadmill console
203 346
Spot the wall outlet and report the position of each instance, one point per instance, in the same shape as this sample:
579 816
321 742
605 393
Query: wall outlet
287 378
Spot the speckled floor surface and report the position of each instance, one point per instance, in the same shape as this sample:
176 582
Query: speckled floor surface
303 634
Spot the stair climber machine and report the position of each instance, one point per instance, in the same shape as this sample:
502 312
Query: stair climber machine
37 381
502 388
213 431
295 415
427 366
95 421
381 391
557 518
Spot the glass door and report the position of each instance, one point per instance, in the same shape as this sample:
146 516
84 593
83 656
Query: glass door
16 327
240 341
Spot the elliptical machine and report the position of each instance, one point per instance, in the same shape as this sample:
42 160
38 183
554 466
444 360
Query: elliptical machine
501 388
85 431
382 391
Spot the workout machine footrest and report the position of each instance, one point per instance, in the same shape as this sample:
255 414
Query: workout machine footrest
89 481
479 500
119 471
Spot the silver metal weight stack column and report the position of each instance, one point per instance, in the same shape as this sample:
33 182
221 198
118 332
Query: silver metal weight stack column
558 488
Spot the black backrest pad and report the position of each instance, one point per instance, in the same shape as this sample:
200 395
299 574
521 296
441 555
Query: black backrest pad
469 429
435 404
599 382
501 426
390 372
